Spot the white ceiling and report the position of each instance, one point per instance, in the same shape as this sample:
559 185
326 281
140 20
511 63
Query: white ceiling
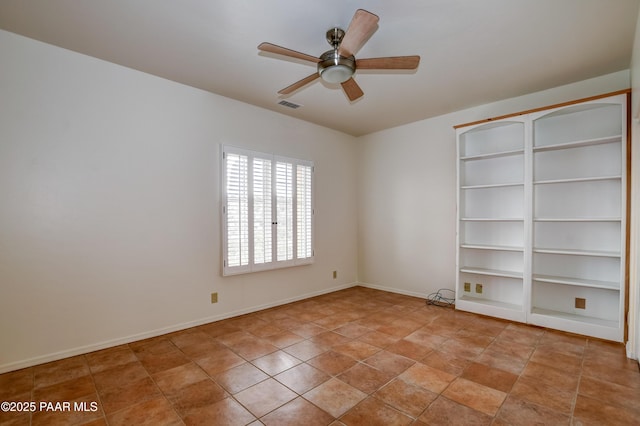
473 51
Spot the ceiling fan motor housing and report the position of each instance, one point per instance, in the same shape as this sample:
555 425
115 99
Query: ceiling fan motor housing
334 68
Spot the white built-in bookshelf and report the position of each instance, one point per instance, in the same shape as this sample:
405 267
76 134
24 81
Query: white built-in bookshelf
541 217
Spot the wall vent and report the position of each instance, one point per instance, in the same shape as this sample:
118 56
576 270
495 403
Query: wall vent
289 104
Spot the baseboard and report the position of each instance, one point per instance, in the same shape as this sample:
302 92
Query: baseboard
394 290
4 368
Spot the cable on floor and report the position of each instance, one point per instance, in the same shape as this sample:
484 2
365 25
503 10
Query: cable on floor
443 297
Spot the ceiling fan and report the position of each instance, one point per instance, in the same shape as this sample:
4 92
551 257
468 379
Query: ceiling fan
339 64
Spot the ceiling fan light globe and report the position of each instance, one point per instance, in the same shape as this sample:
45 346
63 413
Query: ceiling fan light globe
336 74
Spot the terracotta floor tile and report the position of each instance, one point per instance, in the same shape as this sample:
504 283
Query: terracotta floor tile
154 363
189 338
332 363
174 380
202 349
155 345
407 398
305 350
297 412
622 375
609 358
409 349
216 329
564 361
562 347
15 418
354 356
444 329
240 378
610 393
60 371
307 329
283 339
461 349
16 383
592 411
426 338
254 349
515 411
288 323
512 349
400 331
443 412
302 378
335 397
120 375
108 358
488 376
474 395
332 322
429 378
366 378
276 362
352 330
473 338
264 330
357 350
118 398
534 391
196 395
221 361
389 362
226 412
373 412
235 337
329 338
66 391
265 397
97 422
554 336
507 362
447 362
152 412
378 339
550 376
521 336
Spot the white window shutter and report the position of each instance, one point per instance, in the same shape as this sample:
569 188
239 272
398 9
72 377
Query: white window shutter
304 215
284 210
237 210
262 211
267 211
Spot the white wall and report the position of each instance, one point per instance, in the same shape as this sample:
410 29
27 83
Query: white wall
407 191
109 204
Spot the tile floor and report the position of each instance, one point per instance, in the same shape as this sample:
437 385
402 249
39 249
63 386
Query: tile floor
353 357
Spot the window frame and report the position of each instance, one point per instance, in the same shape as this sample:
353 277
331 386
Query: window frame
306 206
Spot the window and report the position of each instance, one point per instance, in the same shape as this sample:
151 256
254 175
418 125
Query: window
267 211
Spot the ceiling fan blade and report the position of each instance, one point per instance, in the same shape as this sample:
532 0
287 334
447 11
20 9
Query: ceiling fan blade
272 48
389 63
298 84
352 90
362 26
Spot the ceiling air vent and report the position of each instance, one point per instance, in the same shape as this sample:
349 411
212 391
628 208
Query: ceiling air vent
289 104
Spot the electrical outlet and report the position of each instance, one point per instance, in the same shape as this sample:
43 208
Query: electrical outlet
467 286
581 303
214 297
335 274
479 288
